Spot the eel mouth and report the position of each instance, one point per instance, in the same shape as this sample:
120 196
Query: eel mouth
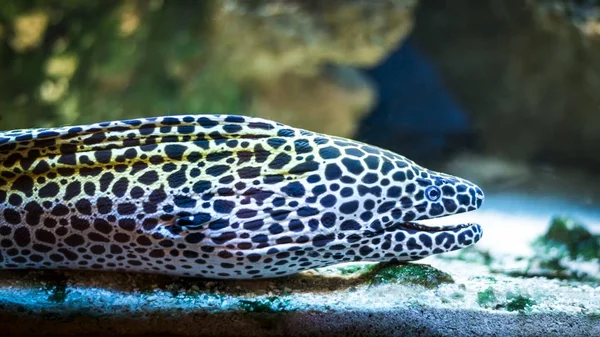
429 228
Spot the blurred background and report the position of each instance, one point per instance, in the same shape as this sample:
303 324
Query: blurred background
502 92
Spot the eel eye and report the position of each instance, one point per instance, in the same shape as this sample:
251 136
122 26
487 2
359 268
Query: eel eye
433 193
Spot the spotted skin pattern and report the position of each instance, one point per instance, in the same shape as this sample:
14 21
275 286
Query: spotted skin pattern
216 196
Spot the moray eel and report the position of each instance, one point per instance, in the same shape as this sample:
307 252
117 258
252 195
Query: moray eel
217 196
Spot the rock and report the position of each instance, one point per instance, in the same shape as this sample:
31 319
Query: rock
129 59
414 115
283 59
330 102
526 71
568 238
267 38
29 29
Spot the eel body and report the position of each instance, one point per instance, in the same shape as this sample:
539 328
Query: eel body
217 196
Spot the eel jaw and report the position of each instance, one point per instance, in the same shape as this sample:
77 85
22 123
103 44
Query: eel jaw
415 226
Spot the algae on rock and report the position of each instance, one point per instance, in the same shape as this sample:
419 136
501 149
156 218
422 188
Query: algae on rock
75 61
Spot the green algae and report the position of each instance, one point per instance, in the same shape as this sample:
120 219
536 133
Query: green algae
270 304
567 238
417 274
519 303
353 269
490 299
487 298
160 65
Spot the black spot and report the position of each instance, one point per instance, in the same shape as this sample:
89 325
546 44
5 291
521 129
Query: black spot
372 162
399 176
350 225
386 167
304 167
254 225
353 166
349 207
218 156
412 244
175 151
321 240
329 152
332 172
45 236
120 187
275 142
249 172
84 206
260 154
217 170
127 224
105 181
50 190
446 238
307 211
177 179
353 238
184 201
436 209
80 224
328 201
276 229
148 178
72 190
370 178
246 213
104 205
302 146
296 225
126 208
201 186
34 213
122 237
463 199
22 237
354 152
260 238
366 216
97 237
365 250
219 224
41 248
157 196
11 216
137 192
273 179
223 206
280 161
449 205
149 224
24 184
386 206
41 168
328 219
253 257
60 210
221 239
89 188
294 189
426 240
